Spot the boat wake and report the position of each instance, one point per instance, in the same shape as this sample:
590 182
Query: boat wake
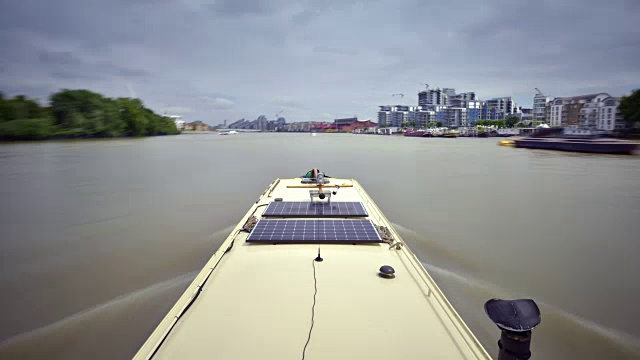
466 291
551 314
88 315
111 329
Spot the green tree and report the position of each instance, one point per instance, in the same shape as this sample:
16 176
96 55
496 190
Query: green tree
630 108
132 112
83 113
26 129
511 121
439 124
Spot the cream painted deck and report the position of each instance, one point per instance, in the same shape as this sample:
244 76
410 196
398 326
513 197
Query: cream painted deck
256 303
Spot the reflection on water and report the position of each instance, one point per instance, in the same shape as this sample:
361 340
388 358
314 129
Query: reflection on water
99 238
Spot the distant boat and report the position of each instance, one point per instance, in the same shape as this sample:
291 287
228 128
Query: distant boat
230 132
450 134
417 133
313 134
577 141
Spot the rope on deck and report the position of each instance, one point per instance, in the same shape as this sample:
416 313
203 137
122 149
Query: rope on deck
387 238
250 224
385 234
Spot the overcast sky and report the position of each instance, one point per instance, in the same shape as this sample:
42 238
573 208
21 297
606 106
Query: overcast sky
213 60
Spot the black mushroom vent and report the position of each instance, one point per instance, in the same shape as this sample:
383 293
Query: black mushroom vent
513 315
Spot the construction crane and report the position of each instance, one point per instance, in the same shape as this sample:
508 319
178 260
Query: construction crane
401 97
539 92
426 86
279 112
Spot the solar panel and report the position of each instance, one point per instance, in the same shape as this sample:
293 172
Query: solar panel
314 231
315 209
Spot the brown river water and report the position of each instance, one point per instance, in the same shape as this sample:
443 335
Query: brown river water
98 239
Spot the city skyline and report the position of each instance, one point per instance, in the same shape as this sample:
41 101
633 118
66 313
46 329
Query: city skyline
316 60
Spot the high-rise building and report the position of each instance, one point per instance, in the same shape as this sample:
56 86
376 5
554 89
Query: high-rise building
401 114
540 102
433 97
455 117
502 105
395 115
449 92
423 116
384 115
261 123
474 111
467 95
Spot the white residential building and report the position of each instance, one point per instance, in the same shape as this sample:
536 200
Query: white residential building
459 100
422 116
456 117
432 97
395 115
449 92
567 111
600 111
177 119
503 104
401 114
609 116
539 103
384 115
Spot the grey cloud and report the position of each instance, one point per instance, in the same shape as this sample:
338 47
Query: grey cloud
70 66
222 104
68 75
58 57
242 7
334 50
304 17
313 9
288 103
129 72
317 57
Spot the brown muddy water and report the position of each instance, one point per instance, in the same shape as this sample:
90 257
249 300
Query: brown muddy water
99 238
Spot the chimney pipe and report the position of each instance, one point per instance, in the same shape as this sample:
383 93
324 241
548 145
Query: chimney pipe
516 319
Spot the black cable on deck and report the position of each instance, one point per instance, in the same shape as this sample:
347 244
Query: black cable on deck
313 308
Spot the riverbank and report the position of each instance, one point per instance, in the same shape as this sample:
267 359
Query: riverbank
27 139
72 114
190 132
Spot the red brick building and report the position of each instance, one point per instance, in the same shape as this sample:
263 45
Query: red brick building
350 124
196 126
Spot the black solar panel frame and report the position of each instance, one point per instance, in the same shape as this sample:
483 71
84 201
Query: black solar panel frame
315 209
319 231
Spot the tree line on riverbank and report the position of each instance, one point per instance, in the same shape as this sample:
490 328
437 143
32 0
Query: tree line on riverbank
79 114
